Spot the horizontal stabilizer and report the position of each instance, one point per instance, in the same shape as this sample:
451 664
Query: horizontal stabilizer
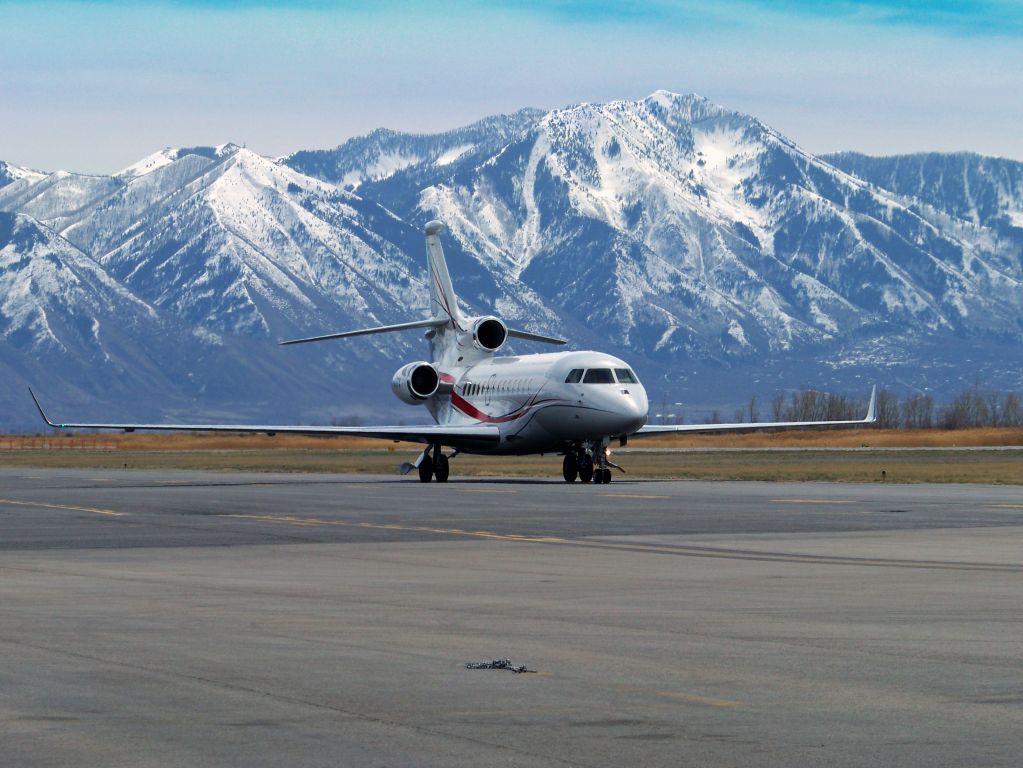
434 322
534 337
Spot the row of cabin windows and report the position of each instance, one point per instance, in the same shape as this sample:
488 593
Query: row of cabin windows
601 376
510 386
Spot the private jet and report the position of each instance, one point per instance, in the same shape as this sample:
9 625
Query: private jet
573 404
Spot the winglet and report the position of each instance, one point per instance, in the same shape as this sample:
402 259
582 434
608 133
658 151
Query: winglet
872 408
40 409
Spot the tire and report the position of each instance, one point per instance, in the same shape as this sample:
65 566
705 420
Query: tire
585 468
570 468
606 477
441 469
426 469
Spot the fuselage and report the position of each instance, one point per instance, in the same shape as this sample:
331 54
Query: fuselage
543 402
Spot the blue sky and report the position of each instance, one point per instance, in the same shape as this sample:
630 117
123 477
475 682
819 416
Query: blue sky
95 86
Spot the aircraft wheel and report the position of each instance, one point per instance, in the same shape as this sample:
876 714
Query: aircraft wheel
606 476
570 468
441 469
426 469
585 468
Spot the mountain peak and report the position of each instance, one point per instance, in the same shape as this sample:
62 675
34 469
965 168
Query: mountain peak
10 173
170 155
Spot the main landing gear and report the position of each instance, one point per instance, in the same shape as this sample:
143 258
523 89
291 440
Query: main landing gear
437 466
579 463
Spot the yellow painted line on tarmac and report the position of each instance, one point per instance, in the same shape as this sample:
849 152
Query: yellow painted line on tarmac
813 501
631 496
64 507
694 699
1005 506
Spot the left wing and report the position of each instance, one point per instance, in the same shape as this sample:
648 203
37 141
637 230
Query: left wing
667 429
468 436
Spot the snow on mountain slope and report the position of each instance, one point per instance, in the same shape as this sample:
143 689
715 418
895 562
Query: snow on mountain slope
52 294
55 196
383 152
978 189
67 325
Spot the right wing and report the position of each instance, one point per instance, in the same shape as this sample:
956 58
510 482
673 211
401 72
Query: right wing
476 436
671 429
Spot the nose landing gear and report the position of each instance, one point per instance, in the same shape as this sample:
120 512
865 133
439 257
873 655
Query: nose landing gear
579 463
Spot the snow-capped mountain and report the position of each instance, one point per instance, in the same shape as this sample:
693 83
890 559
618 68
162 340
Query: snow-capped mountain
707 235
713 252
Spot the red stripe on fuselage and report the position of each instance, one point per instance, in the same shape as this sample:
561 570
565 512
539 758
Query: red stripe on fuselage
473 412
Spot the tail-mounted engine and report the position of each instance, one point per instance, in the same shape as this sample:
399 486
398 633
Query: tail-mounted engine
489 333
415 383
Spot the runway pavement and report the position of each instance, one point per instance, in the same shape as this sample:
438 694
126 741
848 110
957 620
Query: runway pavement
182 618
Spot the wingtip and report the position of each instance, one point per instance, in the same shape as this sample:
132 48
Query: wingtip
872 408
40 408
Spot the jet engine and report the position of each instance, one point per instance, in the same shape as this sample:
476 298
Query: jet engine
415 382
489 333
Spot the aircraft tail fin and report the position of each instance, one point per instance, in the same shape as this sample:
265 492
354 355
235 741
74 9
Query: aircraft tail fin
443 301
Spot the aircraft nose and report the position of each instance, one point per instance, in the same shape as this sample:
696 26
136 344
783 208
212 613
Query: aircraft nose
634 408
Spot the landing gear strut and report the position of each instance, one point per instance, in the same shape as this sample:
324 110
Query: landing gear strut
585 467
602 473
437 466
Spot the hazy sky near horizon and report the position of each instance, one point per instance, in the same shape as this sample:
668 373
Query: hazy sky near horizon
94 86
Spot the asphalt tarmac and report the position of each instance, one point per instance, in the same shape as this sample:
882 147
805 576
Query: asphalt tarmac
183 618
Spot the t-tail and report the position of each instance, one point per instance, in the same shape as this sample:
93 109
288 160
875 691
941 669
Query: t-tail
452 334
443 301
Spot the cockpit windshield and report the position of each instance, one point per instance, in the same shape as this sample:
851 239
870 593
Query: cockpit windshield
599 376
626 376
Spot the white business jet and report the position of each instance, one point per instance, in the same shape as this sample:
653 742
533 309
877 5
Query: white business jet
569 403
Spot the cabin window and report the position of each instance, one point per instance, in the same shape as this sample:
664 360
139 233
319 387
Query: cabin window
599 376
574 376
626 376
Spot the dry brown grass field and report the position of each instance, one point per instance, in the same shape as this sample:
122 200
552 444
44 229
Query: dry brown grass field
804 455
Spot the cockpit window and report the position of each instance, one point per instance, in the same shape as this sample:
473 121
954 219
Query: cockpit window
625 376
574 376
599 376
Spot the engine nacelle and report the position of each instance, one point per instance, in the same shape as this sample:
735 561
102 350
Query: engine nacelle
415 383
489 333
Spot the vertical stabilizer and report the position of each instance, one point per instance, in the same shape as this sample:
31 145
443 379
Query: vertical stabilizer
443 302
